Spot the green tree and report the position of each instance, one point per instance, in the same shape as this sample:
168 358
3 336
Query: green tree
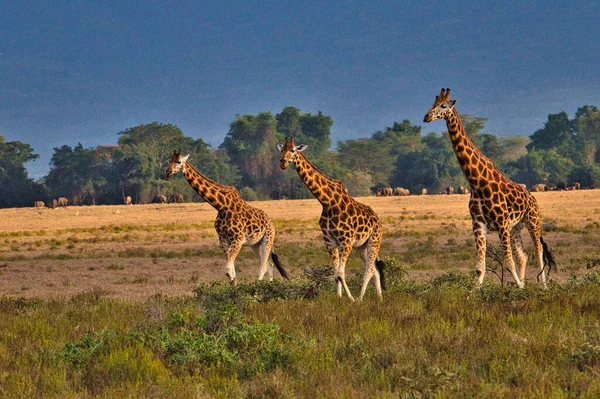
513 148
434 167
587 130
543 166
473 127
312 130
558 132
377 156
84 175
16 188
251 144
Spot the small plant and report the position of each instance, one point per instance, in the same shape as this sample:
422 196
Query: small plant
550 224
115 266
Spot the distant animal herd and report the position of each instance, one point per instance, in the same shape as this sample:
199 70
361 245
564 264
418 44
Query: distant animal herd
63 202
177 198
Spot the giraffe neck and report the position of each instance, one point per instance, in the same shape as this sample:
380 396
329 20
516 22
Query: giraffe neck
473 163
316 181
217 195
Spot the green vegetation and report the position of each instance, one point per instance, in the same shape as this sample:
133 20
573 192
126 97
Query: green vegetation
563 151
274 339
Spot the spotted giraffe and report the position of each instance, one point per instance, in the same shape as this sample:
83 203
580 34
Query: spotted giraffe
237 223
345 222
496 203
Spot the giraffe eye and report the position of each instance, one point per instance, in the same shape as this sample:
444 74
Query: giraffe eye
444 106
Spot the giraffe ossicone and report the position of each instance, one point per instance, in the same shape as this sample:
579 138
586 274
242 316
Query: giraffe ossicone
496 202
345 222
237 223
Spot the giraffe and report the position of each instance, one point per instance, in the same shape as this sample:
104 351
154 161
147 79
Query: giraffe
496 203
345 222
237 223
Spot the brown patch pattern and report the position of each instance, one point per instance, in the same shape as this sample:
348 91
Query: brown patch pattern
496 203
237 224
345 222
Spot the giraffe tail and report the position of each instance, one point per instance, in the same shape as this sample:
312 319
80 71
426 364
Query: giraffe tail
380 266
277 264
548 257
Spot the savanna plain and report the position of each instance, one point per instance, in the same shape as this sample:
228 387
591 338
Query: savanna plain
132 301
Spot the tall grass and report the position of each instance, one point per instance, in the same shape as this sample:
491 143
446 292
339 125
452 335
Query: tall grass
275 339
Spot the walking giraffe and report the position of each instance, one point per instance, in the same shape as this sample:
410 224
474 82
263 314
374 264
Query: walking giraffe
237 223
345 222
496 202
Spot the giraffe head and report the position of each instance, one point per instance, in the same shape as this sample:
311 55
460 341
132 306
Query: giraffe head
176 163
289 152
441 108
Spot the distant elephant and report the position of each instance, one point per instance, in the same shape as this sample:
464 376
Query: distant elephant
176 198
39 204
539 187
423 191
401 191
463 190
128 200
54 203
63 202
573 186
388 192
449 190
159 199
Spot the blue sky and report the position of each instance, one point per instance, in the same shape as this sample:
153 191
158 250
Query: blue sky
81 71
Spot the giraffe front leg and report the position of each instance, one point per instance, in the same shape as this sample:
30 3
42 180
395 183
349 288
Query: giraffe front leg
479 231
335 258
231 253
508 258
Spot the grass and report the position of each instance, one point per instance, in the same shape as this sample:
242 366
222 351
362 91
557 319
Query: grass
435 339
135 304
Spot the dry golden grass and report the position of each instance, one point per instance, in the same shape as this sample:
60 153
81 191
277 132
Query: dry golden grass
137 251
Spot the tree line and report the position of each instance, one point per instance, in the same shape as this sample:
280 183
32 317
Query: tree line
564 150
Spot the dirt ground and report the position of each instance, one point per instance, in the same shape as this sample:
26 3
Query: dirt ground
134 252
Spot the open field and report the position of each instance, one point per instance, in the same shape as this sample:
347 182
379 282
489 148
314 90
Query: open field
141 250
131 301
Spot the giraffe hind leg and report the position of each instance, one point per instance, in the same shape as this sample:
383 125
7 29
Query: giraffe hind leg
534 227
341 274
508 258
520 254
372 268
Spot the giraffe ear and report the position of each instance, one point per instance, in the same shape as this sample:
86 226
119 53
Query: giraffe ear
280 146
453 102
183 159
301 147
